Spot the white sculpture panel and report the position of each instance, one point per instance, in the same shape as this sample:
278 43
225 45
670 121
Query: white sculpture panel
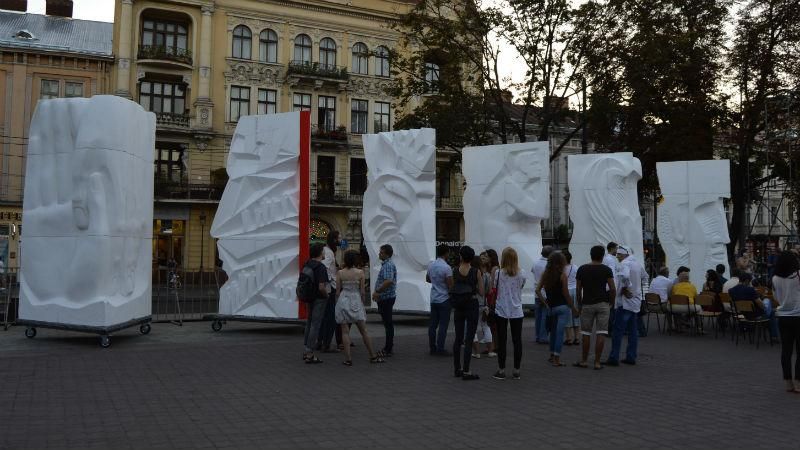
603 203
506 199
399 209
257 222
88 213
692 226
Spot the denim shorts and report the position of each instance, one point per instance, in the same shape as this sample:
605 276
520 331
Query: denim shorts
592 315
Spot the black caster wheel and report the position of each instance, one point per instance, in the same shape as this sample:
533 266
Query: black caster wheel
30 332
105 341
216 325
144 328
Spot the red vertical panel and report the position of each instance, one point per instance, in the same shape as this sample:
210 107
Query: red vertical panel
305 195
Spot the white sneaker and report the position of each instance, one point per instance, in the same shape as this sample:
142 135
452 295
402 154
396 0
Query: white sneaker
492 355
476 356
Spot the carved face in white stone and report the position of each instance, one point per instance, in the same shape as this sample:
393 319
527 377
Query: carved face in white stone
88 203
524 194
692 226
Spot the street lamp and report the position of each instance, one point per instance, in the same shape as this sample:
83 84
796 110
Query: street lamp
202 239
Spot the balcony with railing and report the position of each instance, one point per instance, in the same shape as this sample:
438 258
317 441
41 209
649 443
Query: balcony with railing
335 197
163 53
315 69
172 121
321 134
452 203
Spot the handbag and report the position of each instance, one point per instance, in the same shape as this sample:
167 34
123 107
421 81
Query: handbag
491 299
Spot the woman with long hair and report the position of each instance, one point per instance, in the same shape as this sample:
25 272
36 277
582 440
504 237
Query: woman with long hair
558 302
467 287
786 287
483 334
509 281
349 310
712 283
574 324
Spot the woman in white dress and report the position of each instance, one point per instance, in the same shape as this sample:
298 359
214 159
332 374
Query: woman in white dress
350 306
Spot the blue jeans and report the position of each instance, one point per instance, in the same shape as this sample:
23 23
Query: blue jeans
769 312
437 330
563 316
541 322
624 320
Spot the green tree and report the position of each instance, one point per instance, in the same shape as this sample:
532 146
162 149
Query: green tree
657 92
765 72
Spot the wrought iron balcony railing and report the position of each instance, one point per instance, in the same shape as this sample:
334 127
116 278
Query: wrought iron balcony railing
316 69
163 52
335 197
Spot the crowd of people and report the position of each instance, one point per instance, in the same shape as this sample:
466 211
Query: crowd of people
483 296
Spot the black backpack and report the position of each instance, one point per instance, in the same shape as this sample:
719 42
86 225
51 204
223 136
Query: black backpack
307 288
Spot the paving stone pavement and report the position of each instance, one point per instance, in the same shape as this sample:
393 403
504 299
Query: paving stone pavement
246 387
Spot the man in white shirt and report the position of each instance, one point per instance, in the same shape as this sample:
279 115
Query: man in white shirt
542 336
631 276
610 261
662 285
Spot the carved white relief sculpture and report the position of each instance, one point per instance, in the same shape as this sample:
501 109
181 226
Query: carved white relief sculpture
399 209
507 196
257 222
88 213
692 226
603 203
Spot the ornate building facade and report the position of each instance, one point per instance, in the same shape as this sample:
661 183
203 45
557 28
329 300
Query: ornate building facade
199 65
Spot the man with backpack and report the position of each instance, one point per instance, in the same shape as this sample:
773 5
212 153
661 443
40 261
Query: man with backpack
312 288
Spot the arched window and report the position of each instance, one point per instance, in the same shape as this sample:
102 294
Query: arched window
268 46
242 42
382 68
302 49
360 59
327 53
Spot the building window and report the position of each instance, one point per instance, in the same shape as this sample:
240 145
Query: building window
327 53
240 102
773 215
431 77
759 216
268 46
49 89
267 101
326 113
160 97
72 89
443 175
301 102
302 49
358 176
358 116
382 117
360 59
169 162
382 68
170 37
242 42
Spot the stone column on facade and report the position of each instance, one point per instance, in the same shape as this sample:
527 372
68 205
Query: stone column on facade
125 50
203 106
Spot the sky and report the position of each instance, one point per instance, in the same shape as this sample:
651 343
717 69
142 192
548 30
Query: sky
100 10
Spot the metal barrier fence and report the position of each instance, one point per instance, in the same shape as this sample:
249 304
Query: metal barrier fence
187 295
